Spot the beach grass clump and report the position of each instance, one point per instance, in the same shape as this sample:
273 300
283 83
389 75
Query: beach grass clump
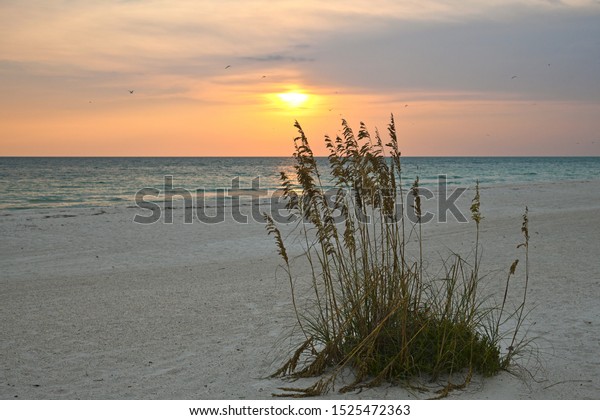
372 308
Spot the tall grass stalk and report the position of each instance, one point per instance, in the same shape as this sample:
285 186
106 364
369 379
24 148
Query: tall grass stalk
373 310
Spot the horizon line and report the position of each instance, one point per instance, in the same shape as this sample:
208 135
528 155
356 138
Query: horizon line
279 157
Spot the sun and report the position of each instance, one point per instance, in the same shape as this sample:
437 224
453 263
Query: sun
293 98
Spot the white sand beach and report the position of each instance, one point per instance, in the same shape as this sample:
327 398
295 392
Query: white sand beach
95 306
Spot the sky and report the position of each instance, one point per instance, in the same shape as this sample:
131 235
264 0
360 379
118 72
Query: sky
230 77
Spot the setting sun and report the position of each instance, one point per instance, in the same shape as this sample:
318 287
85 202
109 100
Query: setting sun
293 98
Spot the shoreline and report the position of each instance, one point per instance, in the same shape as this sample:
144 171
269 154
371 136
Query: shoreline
230 195
94 306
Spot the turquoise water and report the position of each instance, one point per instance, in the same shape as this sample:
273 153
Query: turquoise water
27 183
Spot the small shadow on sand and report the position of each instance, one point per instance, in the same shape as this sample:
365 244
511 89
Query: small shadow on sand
58 216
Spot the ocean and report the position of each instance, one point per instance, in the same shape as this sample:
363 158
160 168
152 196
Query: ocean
39 182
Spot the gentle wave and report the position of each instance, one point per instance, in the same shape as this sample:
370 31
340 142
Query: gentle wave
85 182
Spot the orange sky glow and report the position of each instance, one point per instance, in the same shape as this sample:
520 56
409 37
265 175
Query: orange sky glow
229 78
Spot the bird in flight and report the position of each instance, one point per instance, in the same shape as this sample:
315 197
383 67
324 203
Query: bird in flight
131 92
226 67
514 77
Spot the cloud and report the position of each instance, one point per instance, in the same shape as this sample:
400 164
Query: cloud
278 58
471 46
554 54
